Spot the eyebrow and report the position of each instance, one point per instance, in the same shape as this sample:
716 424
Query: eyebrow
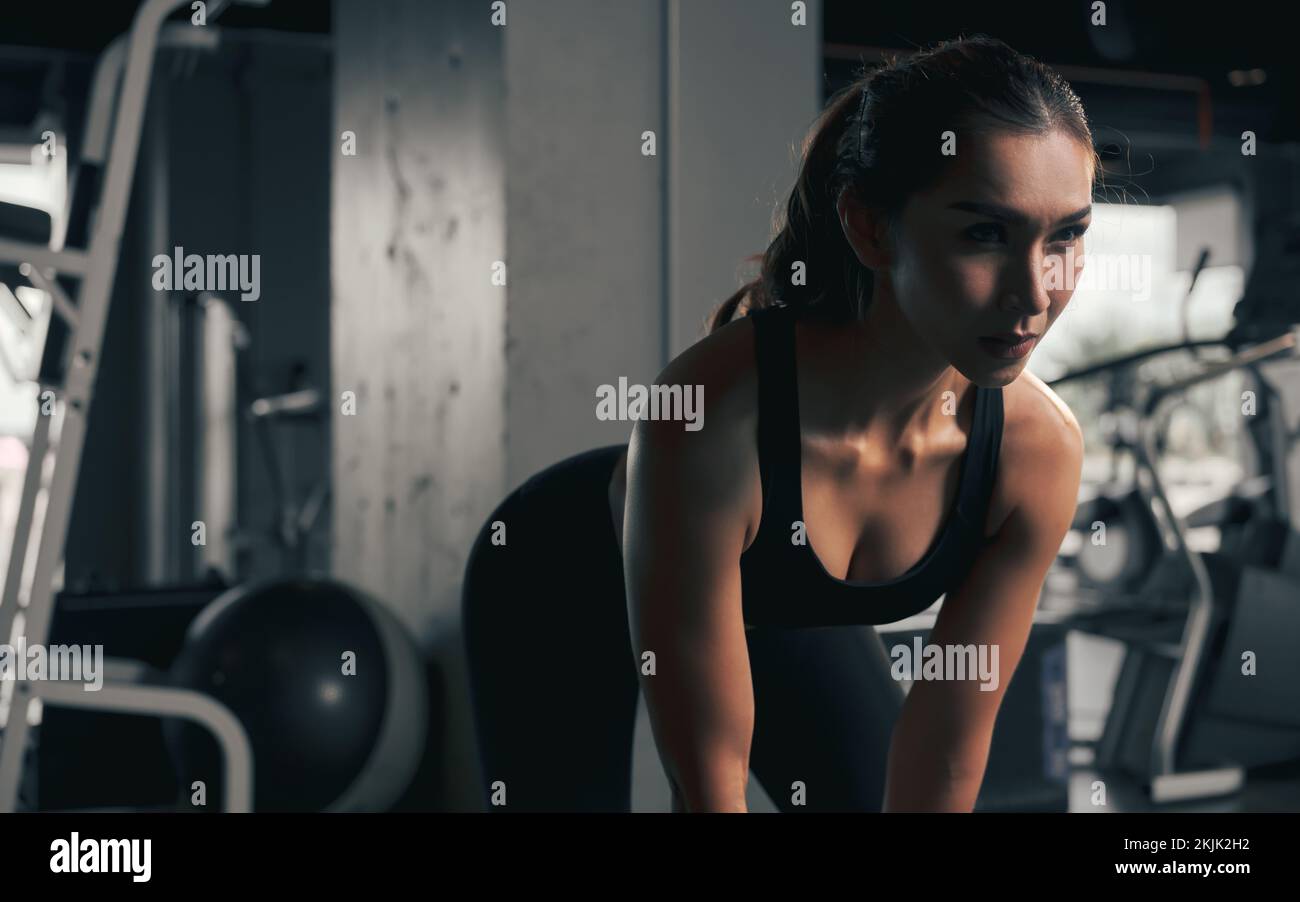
1006 214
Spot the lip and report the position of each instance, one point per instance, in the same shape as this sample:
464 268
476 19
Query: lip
1009 345
1012 338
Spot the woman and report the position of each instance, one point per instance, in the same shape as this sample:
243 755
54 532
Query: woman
873 442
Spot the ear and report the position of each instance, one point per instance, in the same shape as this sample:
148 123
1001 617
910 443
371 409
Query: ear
866 228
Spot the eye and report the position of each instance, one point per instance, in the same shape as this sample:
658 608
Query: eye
985 232
1074 233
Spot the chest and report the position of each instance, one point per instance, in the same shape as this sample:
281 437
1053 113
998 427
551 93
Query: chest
873 515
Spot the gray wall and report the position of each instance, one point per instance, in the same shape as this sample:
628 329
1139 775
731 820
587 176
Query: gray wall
615 257
528 150
585 225
418 218
744 87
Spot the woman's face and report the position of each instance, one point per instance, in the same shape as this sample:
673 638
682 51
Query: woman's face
992 250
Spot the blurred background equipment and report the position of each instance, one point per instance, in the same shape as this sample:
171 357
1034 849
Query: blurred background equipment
317 655
328 684
1180 611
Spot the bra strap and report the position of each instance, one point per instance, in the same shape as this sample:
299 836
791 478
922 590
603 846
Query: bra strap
982 463
778 416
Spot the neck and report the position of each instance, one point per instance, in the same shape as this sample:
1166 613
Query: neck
890 383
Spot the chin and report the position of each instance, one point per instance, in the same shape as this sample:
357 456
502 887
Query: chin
991 374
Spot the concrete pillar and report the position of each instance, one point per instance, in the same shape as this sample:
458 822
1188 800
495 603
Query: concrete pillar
418 220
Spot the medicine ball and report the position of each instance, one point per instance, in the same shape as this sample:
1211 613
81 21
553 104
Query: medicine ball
329 686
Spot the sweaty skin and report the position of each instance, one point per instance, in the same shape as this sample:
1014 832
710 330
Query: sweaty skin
881 451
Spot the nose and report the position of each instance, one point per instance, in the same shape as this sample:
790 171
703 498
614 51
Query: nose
1029 296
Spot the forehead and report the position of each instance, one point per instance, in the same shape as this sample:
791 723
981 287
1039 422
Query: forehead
1043 176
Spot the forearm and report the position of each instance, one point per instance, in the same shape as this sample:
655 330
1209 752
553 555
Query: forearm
917 782
930 792
724 792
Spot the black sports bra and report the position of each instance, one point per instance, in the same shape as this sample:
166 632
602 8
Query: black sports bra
784 584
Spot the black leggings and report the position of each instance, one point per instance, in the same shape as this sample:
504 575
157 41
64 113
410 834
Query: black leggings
553 675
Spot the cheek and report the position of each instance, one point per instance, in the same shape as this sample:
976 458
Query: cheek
959 289
974 281
939 282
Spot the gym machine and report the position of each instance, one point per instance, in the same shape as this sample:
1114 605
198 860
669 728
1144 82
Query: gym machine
79 280
1174 606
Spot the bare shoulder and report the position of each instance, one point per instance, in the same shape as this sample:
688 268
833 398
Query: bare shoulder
1042 452
718 462
724 359
1036 417
721 367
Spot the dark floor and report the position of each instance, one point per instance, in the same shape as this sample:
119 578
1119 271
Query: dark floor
1269 792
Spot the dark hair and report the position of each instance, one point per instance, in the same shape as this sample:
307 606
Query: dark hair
878 138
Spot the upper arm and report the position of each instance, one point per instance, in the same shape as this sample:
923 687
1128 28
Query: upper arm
685 523
994 606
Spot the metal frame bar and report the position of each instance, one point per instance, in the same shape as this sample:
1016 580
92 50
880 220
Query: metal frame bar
69 260
125 698
63 305
9 601
1173 712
